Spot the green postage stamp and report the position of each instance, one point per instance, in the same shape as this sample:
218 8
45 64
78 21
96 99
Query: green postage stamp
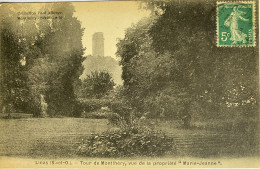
236 24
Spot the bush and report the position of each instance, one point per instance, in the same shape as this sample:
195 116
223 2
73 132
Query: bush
69 108
128 143
91 105
99 114
121 116
92 108
98 84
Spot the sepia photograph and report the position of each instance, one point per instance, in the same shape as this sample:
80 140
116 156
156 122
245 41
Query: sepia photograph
129 84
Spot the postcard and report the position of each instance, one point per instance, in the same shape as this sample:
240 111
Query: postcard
129 84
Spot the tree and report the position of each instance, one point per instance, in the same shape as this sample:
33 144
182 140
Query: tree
209 73
15 45
162 57
98 84
100 63
46 56
150 78
61 64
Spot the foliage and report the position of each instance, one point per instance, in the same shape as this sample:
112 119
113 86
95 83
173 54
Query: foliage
98 84
128 143
62 47
14 44
151 79
101 63
160 63
111 107
122 115
215 77
45 59
90 105
99 114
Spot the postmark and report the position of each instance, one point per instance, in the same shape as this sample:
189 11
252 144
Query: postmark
236 24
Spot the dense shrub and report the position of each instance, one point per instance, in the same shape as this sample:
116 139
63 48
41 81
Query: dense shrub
69 108
99 114
122 115
90 105
97 84
92 108
128 143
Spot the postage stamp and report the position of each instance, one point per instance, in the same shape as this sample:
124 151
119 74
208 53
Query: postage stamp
236 24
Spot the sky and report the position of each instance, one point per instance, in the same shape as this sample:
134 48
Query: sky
110 17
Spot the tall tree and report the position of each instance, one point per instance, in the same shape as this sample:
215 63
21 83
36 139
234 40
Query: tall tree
209 73
16 45
47 54
175 56
61 47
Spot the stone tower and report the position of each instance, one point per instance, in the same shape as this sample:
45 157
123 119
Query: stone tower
98 44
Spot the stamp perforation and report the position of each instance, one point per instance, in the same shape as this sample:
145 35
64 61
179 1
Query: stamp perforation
253 22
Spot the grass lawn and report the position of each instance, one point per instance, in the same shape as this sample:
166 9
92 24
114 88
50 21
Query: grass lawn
46 137
60 137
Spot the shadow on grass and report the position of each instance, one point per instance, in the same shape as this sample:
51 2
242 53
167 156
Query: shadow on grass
44 149
15 115
230 145
217 145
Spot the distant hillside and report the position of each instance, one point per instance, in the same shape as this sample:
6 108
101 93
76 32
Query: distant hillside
99 63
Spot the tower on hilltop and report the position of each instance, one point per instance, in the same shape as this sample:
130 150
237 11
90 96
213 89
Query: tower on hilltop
98 44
